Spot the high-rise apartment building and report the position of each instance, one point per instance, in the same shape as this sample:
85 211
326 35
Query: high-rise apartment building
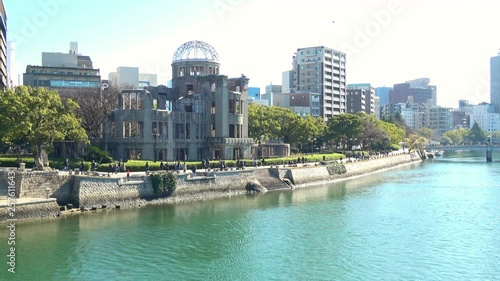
495 83
3 47
322 70
360 97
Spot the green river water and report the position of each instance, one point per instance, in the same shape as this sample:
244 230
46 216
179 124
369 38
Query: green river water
435 220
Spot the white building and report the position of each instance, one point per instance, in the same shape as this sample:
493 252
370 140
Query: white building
287 80
322 70
485 117
127 77
13 77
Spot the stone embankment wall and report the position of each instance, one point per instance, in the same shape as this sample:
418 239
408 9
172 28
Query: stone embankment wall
307 175
96 191
35 184
220 182
31 210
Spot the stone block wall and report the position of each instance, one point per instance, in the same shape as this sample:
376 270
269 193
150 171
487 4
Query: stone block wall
320 173
228 181
95 191
35 183
31 210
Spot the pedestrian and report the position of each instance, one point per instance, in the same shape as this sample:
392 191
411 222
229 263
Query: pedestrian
194 170
147 168
128 175
161 165
184 167
66 163
82 167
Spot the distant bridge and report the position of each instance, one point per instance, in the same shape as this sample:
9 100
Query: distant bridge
461 147
488 148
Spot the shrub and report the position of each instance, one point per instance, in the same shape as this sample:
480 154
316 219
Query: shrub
163 183
95 153
336 169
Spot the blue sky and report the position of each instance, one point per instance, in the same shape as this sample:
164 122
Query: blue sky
387 41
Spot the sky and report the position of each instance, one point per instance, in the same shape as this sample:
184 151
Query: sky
386 41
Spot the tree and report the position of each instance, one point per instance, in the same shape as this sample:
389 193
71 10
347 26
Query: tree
476 134
425 132
39 117
94 106
457 136
344 128
416 142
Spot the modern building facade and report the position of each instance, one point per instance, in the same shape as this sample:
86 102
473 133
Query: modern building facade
485 116
3 47
360 98
439 119
322 70
301 103
204 115
495 83
61 77
63 71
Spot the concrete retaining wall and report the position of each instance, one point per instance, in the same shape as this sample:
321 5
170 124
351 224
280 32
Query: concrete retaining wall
34 184
90 191
31 210
221 182
306 175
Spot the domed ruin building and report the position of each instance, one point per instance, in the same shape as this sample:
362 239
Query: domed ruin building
203 116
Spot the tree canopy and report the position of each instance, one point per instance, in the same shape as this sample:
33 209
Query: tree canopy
38 117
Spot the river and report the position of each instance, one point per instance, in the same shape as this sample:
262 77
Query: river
435 220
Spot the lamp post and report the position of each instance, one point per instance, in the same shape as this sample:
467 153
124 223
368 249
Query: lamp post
154 135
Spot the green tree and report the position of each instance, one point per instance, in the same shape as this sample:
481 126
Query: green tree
39 117
476 134
425 132
396 134
416 142
457 136
345 129
261 122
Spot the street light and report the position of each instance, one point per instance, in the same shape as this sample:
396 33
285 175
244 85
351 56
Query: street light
154 135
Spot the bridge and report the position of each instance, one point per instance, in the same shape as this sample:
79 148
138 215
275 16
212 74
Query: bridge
487 147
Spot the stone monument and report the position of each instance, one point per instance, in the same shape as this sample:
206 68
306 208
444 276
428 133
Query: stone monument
42 162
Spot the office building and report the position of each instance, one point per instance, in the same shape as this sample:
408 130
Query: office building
411 93
322 70
63 71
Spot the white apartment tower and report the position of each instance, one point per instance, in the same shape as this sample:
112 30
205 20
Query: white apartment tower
322 70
